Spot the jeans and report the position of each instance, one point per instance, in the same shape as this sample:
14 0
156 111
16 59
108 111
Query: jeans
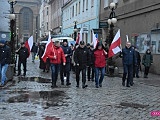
54 73
24 67
90 70
128 69
65 71
98 80
78 75
33 56
3 70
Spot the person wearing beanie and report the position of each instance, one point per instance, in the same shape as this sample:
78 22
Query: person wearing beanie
65 70
5 58
81 58
23 55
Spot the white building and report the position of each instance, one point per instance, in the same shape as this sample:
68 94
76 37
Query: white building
86 15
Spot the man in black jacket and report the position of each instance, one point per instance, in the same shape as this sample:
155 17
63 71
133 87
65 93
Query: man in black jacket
5 57
65 70
23 55
81 58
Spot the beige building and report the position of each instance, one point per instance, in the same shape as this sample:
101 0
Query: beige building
27 19
140 20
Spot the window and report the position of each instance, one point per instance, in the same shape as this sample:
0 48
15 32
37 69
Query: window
47 11
73 11
76 9
47 25
86 4
79 9
26 21
106 3
92 3
83 5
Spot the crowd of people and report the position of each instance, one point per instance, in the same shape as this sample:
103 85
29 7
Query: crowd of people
83 59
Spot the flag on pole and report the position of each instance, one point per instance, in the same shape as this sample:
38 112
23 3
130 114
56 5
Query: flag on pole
115 45
94 39
49 45
127 38
29 44
80 34
77 39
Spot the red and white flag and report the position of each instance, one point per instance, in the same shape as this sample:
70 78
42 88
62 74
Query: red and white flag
94 39
115 45
77 39
29 44
49 45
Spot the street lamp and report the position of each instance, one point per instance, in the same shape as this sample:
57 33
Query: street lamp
60 29
111 21
17 32
12 29
75 30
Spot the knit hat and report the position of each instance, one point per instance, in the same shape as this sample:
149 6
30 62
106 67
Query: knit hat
65 40
2 41
82 43
88 44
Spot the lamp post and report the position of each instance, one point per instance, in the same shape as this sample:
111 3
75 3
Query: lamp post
17 36
60 29
111 21
12 29
75 30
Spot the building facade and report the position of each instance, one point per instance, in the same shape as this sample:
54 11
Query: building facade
86 15
27 19
4 24
140 20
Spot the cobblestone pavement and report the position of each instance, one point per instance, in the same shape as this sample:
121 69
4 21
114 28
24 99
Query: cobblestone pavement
32 99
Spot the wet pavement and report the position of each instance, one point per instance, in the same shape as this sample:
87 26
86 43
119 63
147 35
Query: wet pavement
32 98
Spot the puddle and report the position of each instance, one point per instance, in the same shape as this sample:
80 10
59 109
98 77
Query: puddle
133 105
50 98
35 79
52 118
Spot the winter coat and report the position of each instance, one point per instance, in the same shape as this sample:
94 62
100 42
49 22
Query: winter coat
23 54
128 56
81 57
58 52
100 58
138 57
91 57
67 50
5 55
34 49
147 59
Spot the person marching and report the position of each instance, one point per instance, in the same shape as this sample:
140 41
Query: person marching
128 59
5 58
56 57
23 55
65 70
90 68
147 61
100 63
81 58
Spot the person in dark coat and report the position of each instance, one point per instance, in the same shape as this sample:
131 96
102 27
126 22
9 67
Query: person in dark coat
42 64
128 59
34 51
5 58
147 61
136 68
65 70
81 58
90 68
23 55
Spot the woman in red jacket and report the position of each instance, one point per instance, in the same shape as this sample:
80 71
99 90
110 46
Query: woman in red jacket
100 64
56 56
